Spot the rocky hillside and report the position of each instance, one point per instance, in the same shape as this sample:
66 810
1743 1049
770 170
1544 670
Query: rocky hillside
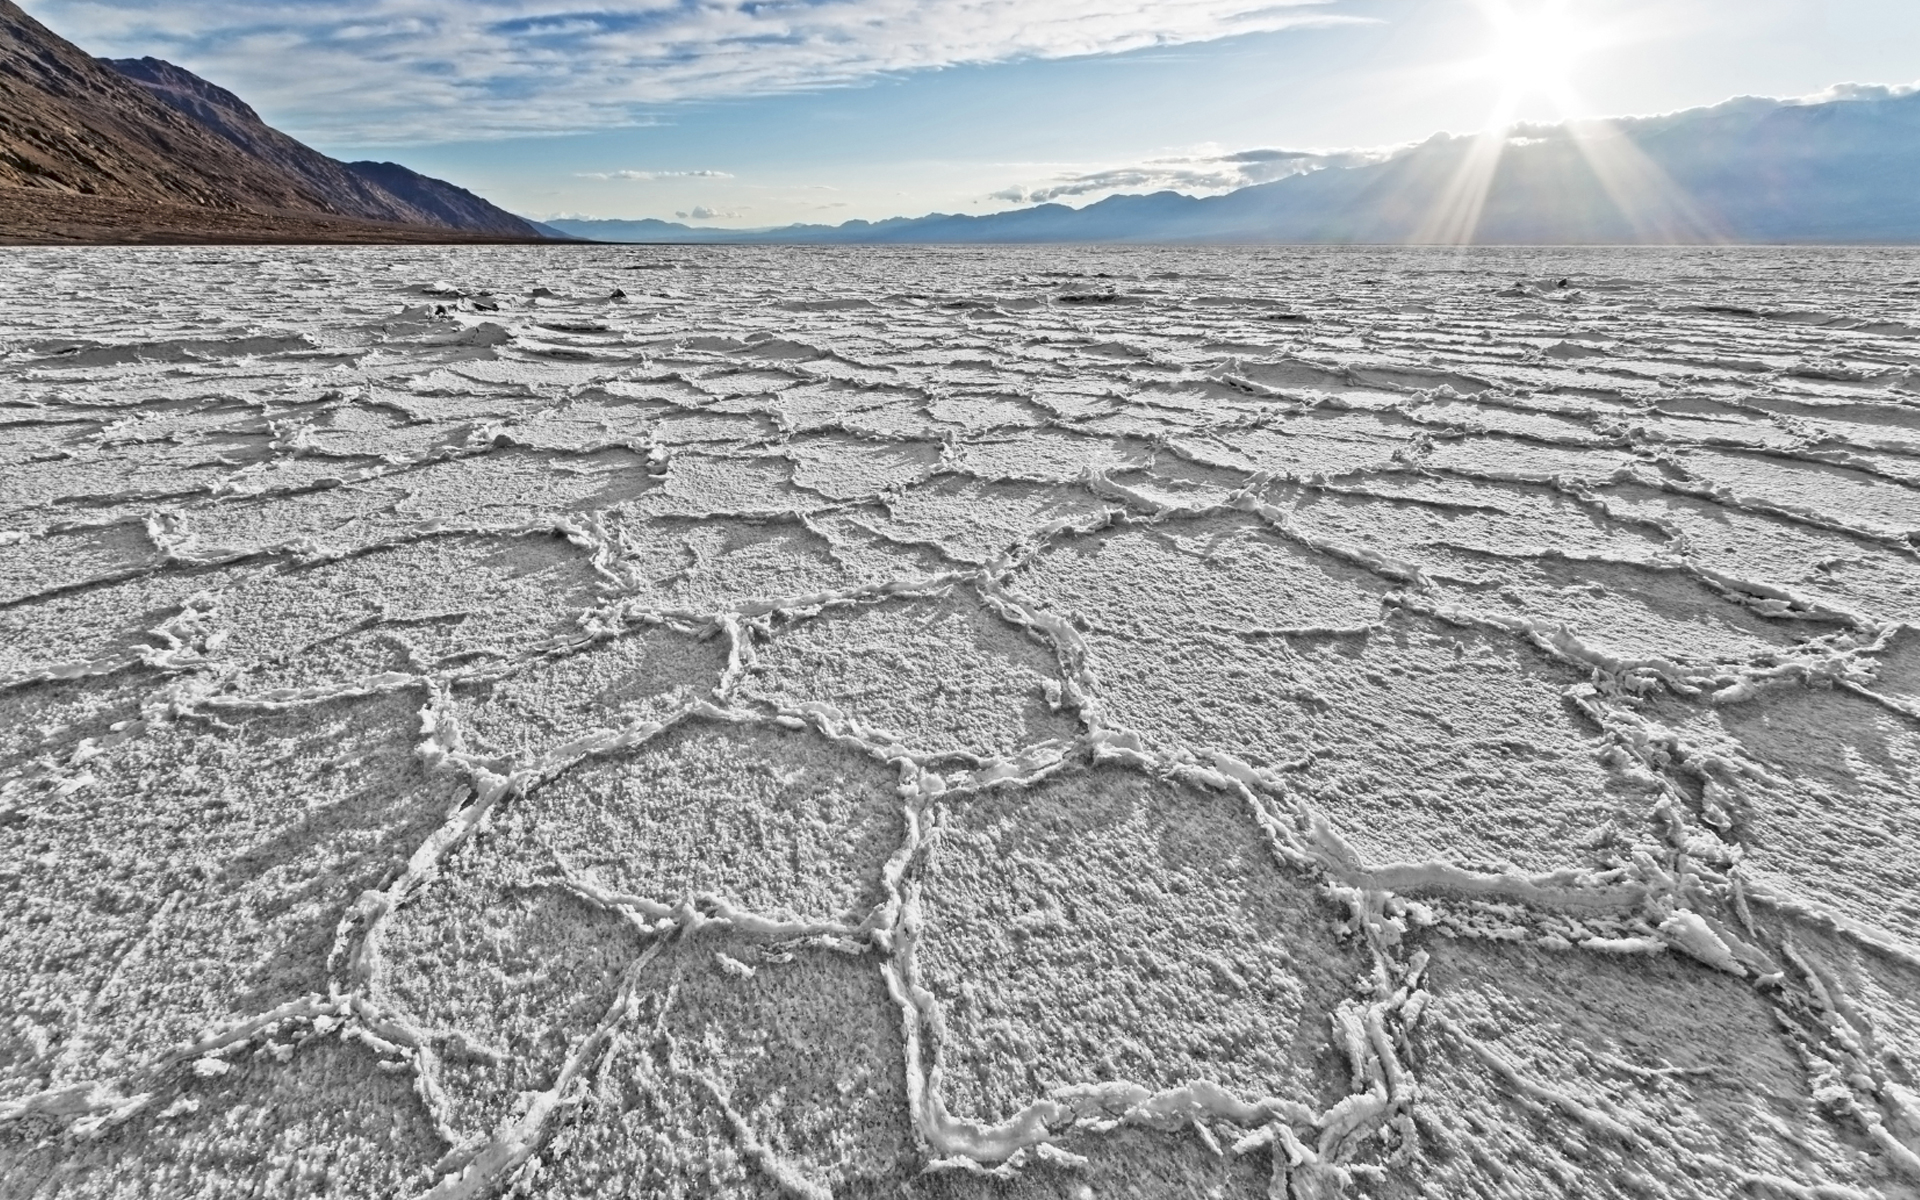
175 152
378 191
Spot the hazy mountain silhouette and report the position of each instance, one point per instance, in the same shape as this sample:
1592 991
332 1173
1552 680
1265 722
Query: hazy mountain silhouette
1749 170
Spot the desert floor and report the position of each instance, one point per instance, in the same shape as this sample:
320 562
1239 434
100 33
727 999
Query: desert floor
1025 722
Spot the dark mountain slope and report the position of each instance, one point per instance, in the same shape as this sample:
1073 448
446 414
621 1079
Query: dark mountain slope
70 124
173 151
373 191
437 201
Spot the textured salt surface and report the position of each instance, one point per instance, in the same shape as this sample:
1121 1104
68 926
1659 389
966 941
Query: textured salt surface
959 723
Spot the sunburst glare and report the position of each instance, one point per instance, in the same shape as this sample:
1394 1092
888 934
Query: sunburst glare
1534 51
1537 44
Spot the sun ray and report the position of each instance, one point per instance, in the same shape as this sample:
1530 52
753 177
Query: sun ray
1657 208
1456 214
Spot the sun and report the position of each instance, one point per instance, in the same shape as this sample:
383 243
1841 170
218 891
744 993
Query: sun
1532 55
1537 44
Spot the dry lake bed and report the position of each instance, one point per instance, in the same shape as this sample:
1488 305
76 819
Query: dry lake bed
626 721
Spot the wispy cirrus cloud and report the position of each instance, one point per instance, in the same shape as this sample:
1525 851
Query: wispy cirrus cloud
652 176
399 71
1199 173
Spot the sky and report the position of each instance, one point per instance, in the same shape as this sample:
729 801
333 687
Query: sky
753 113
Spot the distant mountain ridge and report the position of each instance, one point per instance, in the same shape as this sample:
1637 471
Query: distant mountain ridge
78 134
1750 170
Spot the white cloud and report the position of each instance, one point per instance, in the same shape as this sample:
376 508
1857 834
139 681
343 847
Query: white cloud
1207 172
701 212
1861 92
397 71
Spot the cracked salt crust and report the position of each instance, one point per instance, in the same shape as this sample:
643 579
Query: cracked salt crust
959 723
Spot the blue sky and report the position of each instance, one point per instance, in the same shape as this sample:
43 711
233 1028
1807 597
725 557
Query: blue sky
768 112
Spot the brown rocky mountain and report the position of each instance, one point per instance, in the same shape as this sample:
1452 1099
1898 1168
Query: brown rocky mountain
142 151
378 191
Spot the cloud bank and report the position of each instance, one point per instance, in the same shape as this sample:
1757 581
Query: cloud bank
400 71
1198 174
1861 92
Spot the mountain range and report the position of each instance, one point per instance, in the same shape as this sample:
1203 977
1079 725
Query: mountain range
1844 169
141 150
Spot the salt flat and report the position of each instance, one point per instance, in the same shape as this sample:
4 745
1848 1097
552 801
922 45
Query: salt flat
1011 722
